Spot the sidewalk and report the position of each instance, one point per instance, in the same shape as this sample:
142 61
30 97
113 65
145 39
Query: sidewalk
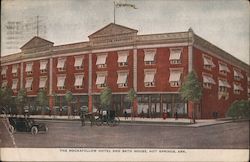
145 121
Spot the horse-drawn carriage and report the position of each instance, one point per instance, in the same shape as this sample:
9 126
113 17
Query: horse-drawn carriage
100 117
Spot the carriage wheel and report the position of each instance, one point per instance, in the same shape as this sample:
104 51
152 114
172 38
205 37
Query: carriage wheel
98 121
113 123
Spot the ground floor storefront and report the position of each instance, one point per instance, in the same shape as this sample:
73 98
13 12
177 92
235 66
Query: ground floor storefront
145 105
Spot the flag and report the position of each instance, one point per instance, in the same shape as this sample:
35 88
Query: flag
125 5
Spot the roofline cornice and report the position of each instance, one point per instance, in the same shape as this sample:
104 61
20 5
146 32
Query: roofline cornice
199 42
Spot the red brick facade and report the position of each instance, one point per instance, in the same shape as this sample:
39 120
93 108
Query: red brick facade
155 98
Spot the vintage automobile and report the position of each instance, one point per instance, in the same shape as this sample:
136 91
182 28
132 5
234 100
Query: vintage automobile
26 125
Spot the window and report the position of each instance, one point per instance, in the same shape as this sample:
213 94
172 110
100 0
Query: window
149 78
78 63
14 70
4 71
4 84
122 58
61 82
208 63
149 56
175 56
28 68
223 85
14 84
28 84
43 66
223 69
237 75
208 81
101 61
122 79
237 88
223 89
42 82
61 64
101 80
78 81
175 78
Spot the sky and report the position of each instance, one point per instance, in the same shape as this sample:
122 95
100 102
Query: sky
225 23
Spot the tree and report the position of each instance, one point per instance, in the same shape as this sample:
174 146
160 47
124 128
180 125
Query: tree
42 100
69 98
105 98
21 100
6 100
131 97
191 90
239 109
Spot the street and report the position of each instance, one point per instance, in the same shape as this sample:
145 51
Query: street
71 134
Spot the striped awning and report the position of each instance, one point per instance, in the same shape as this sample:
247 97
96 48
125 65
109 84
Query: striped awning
175 76
208 79
78 80
224 83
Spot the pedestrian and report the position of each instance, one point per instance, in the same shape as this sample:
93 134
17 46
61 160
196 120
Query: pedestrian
125 114
164 114
168 112
176 115
142 114
82 117
60 111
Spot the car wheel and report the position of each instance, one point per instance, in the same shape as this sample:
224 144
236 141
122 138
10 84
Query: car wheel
34 130
11 129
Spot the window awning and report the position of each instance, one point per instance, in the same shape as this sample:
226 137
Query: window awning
149 56
28 83
14 84
224 83
223 67
175 54
122 58
149 77
238 74
175 76
122 78
14 68
78 80
60 81
4 70
208 79
238 87
101 59
43 65
100 79
4 84
42 82
61 62
78 61
28 67
208 61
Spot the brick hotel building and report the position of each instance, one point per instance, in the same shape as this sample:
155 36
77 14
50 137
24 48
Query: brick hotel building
155 65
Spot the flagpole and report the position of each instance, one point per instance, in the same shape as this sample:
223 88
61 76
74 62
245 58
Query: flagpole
114 12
